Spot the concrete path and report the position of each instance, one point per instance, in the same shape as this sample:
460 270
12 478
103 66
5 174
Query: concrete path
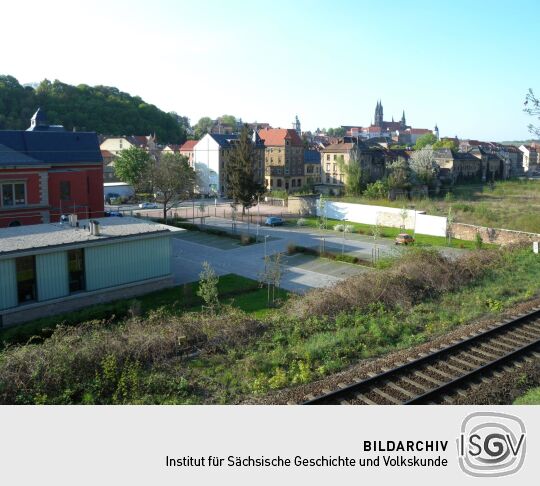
302 274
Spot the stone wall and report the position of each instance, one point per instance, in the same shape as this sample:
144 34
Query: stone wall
497 236
303 205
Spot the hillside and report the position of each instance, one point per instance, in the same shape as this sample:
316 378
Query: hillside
102 109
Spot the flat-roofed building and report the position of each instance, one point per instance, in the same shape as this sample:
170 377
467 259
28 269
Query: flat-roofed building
47 269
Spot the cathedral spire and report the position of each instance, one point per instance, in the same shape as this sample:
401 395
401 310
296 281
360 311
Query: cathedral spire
403 120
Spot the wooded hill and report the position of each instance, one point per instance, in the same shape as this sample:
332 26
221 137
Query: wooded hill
103 109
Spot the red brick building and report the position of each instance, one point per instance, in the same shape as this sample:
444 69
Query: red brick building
47 171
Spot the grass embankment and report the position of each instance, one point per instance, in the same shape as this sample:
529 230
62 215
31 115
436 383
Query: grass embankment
151 360
234 290
532 397
388 232
513 204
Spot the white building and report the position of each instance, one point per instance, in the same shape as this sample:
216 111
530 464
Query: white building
210 155
530 157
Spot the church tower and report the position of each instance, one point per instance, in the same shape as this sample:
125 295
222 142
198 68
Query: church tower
436 131
296 126
403 121
378 115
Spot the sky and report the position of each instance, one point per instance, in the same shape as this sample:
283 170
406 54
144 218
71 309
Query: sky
463 65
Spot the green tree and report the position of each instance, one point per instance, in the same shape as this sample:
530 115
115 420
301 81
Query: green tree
228 120
532 108
132 165
173 180
400 174
202 127
208 288
354 177
242 187
336 132
446 144
423 167
102 109
424 140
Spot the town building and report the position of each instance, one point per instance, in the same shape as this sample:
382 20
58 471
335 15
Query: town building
336 157
188 150
115 145
47 269
211 155
284 158
312 167
530 157
47 171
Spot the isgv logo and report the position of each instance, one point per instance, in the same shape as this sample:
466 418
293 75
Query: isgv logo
491 444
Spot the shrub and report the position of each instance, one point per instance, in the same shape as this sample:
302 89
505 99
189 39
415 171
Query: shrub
339 227
301 222
246 239
418 275
478 241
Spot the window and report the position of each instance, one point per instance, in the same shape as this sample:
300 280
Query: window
293 183
76 270
327 156
279 182
65 190
327 167
335 157
26 279
299 183
13 193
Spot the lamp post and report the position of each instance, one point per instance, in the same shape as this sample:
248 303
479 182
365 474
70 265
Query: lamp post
265 237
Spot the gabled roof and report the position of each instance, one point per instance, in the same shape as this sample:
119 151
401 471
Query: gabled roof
277 136
188 146
223 140
339 147
53 147
9 156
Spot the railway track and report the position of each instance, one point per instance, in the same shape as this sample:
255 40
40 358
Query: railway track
437 376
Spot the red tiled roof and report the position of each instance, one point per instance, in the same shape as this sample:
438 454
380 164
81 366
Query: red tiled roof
188 146
277 136
418 131
107 154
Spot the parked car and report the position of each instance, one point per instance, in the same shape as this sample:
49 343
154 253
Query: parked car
404 239
118 214
148 205
273 221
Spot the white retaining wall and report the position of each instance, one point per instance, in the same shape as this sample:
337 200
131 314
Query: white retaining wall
366 214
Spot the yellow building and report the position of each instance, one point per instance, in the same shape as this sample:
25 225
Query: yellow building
284 159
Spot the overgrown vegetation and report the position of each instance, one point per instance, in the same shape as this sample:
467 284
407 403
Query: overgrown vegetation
203 358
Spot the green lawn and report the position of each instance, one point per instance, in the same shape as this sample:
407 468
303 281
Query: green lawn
238 291
387 232
532 397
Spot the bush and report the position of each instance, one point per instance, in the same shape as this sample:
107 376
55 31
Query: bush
339 227
478 241
101 363
419 274
301 222
246 239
